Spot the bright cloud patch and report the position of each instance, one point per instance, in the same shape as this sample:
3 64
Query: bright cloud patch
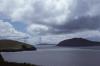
36 29
8 31
48 11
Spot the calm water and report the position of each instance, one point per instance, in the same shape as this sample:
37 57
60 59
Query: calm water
57 57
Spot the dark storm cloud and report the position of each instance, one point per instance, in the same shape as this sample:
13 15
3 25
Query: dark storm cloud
81 8
85 16
85 8
80 24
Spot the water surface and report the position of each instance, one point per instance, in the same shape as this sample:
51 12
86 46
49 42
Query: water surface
55 56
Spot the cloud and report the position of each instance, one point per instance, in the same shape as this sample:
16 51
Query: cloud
36 29
93 35
8 31
47 11
80 24
51 12
86 7
38 11
95 10
51 16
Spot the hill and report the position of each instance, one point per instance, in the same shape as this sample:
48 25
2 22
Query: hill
12 45
78 42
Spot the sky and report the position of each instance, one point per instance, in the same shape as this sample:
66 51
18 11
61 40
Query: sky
49 19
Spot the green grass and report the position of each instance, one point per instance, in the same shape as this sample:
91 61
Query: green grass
14 46
2 63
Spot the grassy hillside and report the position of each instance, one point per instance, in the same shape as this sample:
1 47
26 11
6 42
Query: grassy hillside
8 45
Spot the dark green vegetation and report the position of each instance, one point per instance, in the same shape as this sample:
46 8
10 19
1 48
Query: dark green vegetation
78 42
12 46
2 63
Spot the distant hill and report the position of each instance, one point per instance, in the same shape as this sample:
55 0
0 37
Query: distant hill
45 44
78 42
12 45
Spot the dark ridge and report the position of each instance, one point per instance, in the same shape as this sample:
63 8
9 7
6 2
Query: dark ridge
1 58
45 44
78 42
2 63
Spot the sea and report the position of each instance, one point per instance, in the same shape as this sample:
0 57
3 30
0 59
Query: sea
51 55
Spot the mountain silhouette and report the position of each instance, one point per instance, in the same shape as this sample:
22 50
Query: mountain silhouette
78 42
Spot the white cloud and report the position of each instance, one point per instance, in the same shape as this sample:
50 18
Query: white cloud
8 31
54 12
48 11
42 15
36 29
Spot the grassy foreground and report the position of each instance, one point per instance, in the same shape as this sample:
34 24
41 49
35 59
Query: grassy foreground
2 63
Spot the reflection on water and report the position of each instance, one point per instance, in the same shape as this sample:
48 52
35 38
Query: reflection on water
57 57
